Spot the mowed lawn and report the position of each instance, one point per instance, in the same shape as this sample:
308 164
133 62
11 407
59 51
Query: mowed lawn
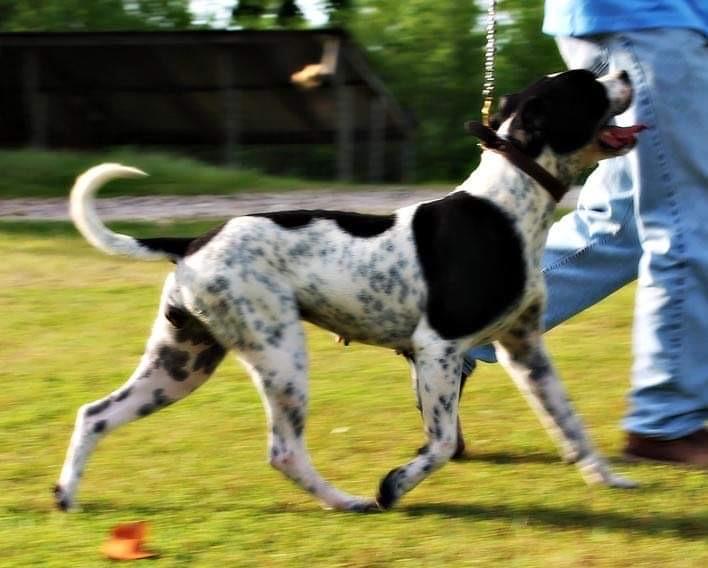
73 326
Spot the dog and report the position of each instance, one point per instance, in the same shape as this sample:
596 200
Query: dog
430 281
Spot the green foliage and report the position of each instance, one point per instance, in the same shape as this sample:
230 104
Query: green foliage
73 328
525 53
429 54
74 15
169 14
339 12
262 14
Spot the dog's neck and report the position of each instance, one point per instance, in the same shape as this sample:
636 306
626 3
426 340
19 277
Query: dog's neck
544 168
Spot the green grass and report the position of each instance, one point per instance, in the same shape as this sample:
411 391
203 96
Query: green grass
34 173
73 327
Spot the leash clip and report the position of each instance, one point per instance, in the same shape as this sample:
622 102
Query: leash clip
486 110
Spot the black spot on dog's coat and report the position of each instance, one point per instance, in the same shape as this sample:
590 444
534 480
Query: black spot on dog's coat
389 491
356 224
177 316
209 359
297 421
472 261
179 247
146 409
122 395
188 328
98 407
173 361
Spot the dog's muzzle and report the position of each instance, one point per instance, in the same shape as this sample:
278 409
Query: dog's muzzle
618 139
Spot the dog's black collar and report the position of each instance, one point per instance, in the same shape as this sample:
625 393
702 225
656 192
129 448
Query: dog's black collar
491 141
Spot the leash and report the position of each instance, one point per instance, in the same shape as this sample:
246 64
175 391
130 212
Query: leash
490 140
489 56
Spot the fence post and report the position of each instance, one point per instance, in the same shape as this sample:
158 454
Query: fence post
37 102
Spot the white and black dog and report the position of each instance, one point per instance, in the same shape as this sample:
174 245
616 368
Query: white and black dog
430 280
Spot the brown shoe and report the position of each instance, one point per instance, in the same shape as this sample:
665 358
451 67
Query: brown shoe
690 450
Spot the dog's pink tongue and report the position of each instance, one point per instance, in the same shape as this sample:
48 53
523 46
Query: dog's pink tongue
619 136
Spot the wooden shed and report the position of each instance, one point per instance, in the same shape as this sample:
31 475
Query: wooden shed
219 90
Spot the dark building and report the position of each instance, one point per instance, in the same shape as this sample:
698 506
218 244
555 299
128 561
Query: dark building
283 100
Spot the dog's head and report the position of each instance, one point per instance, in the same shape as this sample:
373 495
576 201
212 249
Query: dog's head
564 120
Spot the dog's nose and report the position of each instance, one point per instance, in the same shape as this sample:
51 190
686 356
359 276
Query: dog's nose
623 76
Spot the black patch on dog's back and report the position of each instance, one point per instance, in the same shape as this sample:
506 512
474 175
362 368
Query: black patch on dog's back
472 261
179 247
356 224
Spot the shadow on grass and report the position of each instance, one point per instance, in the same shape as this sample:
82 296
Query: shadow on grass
502 458
690 526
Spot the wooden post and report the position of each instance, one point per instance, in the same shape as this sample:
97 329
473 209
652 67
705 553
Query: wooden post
232 109
377 139
37 104
407 159
345 128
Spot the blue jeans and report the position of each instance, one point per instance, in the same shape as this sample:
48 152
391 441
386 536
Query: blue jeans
644 216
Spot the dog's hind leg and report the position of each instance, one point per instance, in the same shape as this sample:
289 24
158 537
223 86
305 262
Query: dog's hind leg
278 368
437 367
521 353
180 356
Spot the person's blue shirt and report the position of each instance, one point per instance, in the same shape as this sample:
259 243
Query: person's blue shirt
589 17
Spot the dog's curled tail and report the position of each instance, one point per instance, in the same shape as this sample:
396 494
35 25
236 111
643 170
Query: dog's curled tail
83 214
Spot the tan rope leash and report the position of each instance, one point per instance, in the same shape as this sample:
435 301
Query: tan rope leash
489 57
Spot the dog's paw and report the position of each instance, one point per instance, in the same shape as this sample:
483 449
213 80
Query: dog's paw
353 505
62 501
569 455
596 471
364 506
620 482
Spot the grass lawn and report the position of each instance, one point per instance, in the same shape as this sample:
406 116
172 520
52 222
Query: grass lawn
73 327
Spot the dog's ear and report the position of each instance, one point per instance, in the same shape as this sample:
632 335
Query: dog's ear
506 107
529 125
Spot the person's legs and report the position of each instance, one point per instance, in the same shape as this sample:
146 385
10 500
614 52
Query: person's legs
596 249
669 69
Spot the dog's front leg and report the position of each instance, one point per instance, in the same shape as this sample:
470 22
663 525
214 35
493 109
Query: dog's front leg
522 354
460 443
437 378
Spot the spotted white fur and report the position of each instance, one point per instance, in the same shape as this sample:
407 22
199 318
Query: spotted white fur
248 287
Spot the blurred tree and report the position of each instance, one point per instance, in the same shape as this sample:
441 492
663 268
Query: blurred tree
65 15
161 13
525 53
289 15
338 11
249 13
261 14
430 55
